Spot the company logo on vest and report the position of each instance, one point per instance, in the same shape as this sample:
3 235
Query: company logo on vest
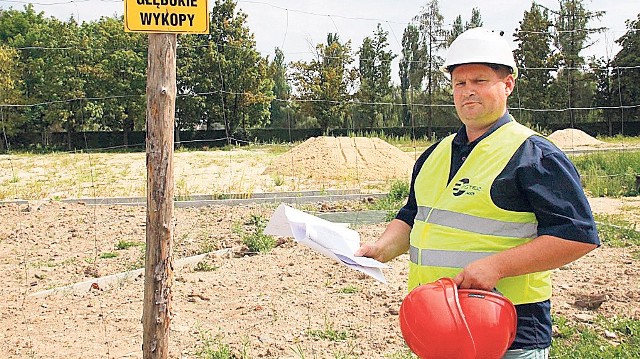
463 187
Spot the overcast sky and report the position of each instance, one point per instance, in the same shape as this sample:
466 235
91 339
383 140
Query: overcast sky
297 26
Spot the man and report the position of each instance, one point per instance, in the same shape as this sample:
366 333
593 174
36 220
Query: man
495 205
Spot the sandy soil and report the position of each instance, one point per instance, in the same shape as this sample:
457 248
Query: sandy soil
289 303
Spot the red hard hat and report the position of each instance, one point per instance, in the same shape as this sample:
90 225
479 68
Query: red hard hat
438 321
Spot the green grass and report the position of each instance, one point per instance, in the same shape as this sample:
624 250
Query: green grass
253 237
204 267
107 255
616 231
214 348
606 338
328 332
350 289
621 139
609 174
122 245
394 200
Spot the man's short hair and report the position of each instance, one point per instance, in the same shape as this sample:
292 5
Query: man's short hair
501 70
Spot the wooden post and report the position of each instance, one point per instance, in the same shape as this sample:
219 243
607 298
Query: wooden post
161 97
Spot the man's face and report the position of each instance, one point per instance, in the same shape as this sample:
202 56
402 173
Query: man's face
480 95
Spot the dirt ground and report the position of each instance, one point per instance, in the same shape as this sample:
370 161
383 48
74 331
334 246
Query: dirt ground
289 303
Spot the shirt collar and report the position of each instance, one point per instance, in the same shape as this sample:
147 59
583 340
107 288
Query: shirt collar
461 136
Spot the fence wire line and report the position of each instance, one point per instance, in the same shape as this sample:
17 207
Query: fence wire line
142 51
95 237
294 101
313 13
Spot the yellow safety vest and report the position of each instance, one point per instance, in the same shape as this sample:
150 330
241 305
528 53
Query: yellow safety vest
457 222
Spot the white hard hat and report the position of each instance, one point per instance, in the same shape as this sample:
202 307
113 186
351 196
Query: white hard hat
479 45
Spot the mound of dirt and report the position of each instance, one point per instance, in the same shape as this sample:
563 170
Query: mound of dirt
343 158
570 138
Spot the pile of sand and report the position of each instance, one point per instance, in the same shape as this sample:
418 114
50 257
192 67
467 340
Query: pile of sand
344 158
570 138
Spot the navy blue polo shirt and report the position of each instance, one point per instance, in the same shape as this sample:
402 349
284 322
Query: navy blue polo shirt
540 179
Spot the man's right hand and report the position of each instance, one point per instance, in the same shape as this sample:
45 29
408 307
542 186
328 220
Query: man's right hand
371 250
393 242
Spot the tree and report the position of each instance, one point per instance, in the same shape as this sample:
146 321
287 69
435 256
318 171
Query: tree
476 19
375 76
412 70
457 28
324 84
626 84
116 66
430 23
572 35
26 30
9 94
222 78
280 110
604 97
534 57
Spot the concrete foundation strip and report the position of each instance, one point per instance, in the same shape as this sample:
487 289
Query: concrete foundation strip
103 282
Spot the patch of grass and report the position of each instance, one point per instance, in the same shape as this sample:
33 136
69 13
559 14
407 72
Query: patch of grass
627 140
616 231
278 180
43 263
393 201
350 289
254 237
107 255
607 338
204 267
206 244
328 332
609 174
122 245
213 348
406 144
402 354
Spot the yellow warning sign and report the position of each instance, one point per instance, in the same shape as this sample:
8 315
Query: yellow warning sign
178 16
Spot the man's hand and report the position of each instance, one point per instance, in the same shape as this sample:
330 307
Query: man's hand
481 274
393 242
371 250
540 254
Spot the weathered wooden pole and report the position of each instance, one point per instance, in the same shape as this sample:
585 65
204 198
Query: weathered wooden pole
161 97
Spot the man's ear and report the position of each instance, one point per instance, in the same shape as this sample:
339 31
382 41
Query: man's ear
510 84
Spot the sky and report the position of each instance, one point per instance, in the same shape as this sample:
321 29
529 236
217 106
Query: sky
297 26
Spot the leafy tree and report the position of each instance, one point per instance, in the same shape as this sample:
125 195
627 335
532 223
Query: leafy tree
535 58
572 36
476 19
412 70
375 76
457 28
280 110
116 70
9 94
222 78
24 30
324 84
604 97
626 86
433 35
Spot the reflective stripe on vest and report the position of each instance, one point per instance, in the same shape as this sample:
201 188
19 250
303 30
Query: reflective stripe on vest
444 258
476 224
